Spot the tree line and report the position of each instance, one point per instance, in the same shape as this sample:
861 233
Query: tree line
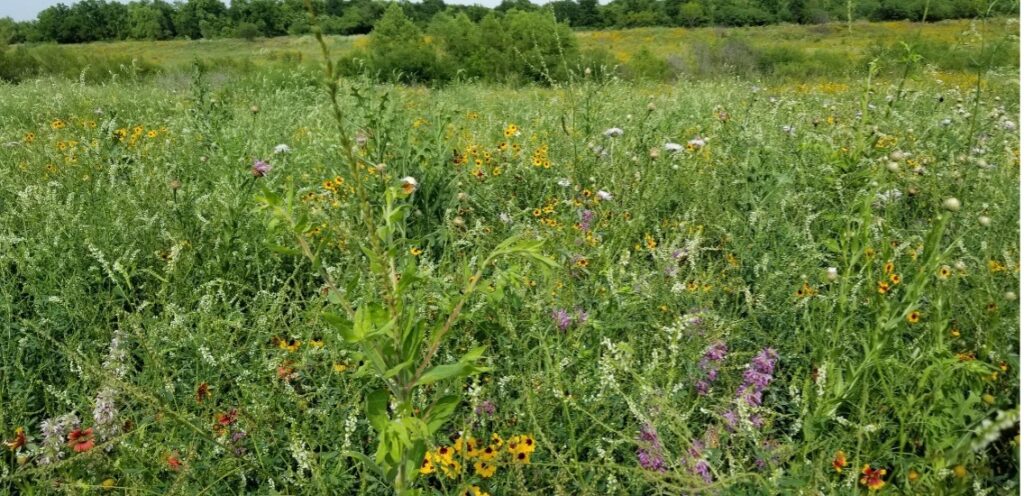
99 20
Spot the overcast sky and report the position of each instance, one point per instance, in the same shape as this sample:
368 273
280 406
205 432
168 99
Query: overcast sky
24 10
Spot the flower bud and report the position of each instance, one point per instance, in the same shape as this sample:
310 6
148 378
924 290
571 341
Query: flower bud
984 220
951 204
832 273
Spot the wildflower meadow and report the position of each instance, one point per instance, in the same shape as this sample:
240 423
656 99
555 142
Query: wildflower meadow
313 280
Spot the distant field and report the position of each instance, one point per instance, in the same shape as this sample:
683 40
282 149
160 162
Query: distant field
788 51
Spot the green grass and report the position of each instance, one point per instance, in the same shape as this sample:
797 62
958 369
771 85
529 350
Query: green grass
136 261
781 52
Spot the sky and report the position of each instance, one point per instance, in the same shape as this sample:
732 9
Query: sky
25 10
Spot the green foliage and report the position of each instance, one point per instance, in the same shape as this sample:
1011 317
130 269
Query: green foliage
153 286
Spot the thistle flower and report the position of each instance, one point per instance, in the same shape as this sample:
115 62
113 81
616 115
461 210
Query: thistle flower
696 143
604 195
673 147
282 148
613 132
260 168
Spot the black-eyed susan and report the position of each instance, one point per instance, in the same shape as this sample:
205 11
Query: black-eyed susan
339 368
895 279
316 342
451 468
944 272
537 212
914 317
913 475
415 251
869 252
444 453
484 469
474 491
57 124
889 267
291 345
521 457
489 453
511 130
427 466
883 287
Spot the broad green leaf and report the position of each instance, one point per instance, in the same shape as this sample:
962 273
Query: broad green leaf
463 368
441 412
283 250
343 326
393 371
377 410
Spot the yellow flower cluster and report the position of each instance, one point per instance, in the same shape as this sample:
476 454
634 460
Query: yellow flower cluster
540 157
484 458
546 213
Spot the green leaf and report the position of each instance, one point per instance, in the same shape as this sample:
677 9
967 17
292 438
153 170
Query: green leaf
283 250
377 410
463 368
393 371
344 326
441 412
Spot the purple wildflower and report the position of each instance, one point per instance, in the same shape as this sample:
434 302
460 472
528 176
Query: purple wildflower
730 419
260 168
650 461
586 217
487 407
703 470
581 316
716 352
758 376
649 455
562 319
703 387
